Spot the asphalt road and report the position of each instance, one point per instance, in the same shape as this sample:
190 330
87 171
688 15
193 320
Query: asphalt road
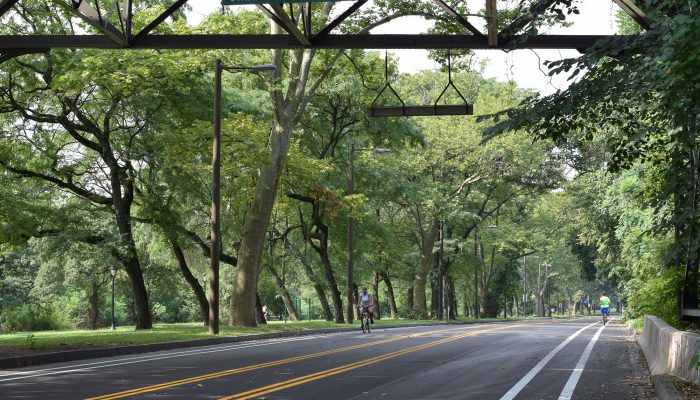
528 360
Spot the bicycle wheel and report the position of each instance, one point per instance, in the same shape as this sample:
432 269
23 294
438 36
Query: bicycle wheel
369 326
364 327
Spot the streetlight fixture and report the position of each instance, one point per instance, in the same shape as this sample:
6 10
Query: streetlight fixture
113 271
219 67
351 225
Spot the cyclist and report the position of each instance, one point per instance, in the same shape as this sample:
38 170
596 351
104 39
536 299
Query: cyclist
604 307
366 301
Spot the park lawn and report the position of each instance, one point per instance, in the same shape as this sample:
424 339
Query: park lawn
127 335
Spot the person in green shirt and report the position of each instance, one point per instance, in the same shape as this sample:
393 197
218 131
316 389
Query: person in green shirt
605 307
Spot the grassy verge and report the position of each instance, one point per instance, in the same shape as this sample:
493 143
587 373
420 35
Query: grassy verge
637 324
127 335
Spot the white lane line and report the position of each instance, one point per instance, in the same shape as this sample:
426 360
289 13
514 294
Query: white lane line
576 373
134 360
510 395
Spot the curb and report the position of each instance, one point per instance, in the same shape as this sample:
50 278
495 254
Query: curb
75 355
665 388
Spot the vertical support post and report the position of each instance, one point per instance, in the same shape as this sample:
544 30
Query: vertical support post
351 238
524 289
113 324
128 13
476 272
492 22
441 273
309 308
215 206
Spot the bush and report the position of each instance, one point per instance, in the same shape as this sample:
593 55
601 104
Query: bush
33 317
404 313
656 295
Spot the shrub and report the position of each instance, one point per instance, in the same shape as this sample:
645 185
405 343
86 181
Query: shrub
405 313
33 317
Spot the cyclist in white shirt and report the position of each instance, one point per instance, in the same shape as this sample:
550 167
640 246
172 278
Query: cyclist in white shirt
366 301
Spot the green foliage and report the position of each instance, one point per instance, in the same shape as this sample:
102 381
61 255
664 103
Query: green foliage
406 313
33 317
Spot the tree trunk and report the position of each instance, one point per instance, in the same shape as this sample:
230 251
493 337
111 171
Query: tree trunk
328 315
375 288
489 304
286 298
245 282
390 295
435 297
129 259
426 260
93 321
192 281
409 299
335 293
451 298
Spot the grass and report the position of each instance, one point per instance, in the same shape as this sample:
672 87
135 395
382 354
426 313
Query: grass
637 324
127 335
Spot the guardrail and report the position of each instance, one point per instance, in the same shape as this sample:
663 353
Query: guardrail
670 351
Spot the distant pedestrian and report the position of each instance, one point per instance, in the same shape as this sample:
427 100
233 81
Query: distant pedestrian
604 307
264 310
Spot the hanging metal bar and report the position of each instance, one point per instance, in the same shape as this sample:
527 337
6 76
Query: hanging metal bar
415 111
374 110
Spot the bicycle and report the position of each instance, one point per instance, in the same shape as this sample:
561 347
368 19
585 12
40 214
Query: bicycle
364 320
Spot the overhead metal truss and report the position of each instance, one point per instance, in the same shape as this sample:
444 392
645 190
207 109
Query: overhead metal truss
299 33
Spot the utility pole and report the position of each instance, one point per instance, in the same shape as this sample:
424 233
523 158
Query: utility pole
476 272
351 238
215 206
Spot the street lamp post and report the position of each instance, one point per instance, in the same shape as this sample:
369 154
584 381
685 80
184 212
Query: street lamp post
204 287
476 272
219 67
351 225
113 271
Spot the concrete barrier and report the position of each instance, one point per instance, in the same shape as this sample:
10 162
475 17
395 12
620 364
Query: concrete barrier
670 351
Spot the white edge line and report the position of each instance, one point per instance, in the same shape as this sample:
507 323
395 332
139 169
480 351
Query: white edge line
510 395
568 390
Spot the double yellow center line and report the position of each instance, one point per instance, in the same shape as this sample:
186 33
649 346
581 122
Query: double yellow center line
166 385
256 393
